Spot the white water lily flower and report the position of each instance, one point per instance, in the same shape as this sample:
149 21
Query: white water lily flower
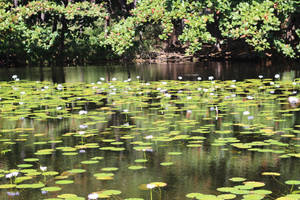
59 108
43 168
93 196
150 186
81 132
8 175
81 151
210 78
102 79
60 87
82 112
277 76
168 95
250 117
179 77
114 79
83 126
293 100
44 192
188 98
14 76
250 97
15 173
260 76
148 137
199 78
138 77
246 113
148 150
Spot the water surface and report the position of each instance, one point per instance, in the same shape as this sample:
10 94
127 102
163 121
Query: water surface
219 129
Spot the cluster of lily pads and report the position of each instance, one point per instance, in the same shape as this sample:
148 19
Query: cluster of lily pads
123 116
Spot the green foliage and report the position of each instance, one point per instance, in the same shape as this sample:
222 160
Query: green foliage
259 23
43 30
252 21
72 25
121 36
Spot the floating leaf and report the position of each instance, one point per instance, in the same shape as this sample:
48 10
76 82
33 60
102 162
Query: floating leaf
51 189
292 182
270 174
237 179
64 182
166 163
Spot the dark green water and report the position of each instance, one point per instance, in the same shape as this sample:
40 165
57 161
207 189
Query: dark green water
139 110
153 72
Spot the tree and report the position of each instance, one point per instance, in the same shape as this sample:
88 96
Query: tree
73 31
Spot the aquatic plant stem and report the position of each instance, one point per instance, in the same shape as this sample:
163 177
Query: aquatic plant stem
150 194
292 188
159 193
278 181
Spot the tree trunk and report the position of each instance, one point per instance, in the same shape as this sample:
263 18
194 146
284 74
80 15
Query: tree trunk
61 53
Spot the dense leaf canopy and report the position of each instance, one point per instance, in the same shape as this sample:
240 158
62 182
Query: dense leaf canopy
73 31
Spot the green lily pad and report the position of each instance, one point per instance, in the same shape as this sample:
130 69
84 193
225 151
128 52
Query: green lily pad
64 182
292 182
77 171
237 179
166 163
51 189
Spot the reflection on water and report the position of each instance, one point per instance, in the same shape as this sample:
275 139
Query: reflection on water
153 72
121 117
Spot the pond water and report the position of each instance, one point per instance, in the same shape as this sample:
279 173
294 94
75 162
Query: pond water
153 72
67 133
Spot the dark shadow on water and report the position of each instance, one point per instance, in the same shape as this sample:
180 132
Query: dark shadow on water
223 70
